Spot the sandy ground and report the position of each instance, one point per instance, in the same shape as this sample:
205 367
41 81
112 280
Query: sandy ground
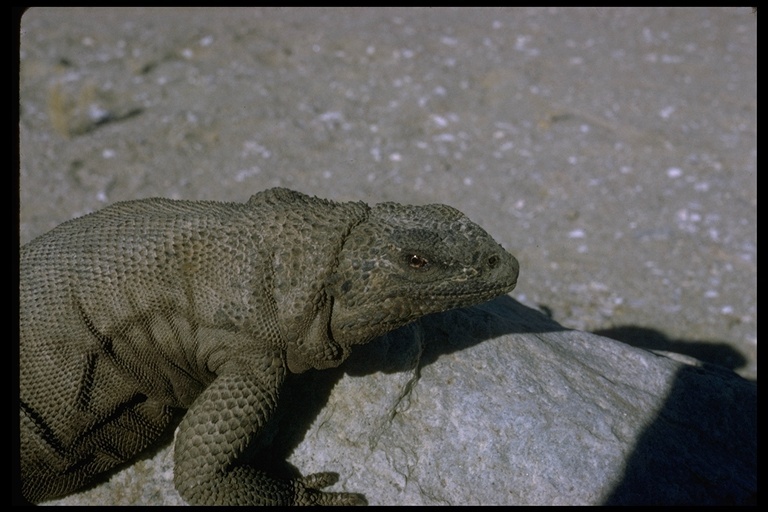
613 151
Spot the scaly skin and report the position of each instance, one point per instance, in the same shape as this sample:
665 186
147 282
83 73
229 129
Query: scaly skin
148 306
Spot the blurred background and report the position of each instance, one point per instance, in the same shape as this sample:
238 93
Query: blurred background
612 150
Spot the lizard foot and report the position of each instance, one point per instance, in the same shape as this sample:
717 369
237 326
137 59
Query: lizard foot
308 491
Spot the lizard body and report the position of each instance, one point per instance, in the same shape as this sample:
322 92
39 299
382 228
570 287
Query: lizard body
150 306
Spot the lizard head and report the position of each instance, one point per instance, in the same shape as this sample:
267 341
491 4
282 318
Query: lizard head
404 262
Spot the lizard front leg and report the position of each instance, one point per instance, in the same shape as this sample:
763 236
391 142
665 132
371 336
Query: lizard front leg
214 434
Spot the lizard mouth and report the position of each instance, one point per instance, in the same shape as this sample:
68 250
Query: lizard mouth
398 309
467 296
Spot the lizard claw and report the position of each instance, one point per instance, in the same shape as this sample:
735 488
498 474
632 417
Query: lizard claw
309 493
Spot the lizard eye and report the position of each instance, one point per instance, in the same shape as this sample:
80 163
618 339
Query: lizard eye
417 262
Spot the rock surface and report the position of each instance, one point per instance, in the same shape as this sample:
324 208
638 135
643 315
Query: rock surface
498 404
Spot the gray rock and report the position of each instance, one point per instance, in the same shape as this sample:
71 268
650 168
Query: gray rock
497 404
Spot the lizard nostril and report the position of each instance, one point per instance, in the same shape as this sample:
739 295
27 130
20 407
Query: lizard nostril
493 261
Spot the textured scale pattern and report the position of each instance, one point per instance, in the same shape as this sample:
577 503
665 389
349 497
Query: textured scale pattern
146 308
